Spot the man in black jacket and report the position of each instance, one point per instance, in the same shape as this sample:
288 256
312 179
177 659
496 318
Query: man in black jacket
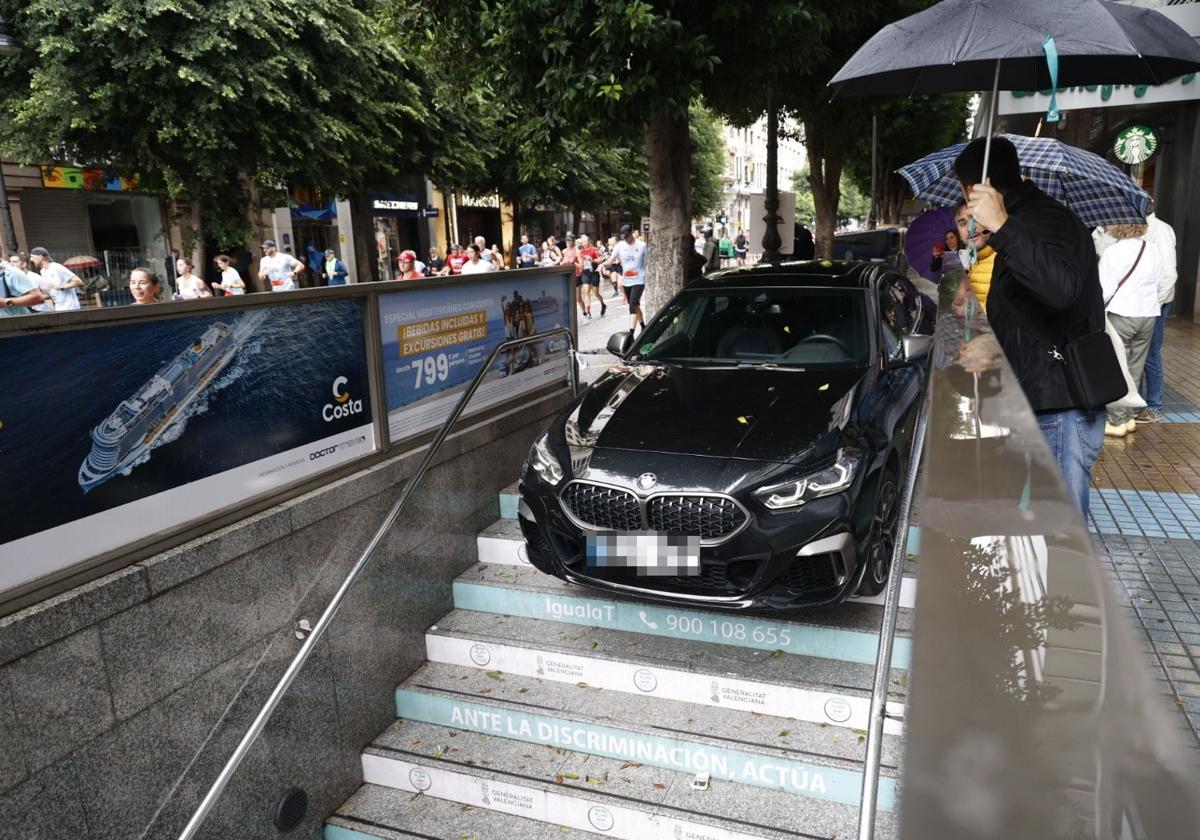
1045 289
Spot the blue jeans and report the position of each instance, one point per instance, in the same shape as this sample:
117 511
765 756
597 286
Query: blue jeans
1151 388
1075 438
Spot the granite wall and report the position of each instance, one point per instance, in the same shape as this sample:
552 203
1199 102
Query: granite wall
119 700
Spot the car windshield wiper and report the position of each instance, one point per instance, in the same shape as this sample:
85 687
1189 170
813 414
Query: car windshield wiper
742 365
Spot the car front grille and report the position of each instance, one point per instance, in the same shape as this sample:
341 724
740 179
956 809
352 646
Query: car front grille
712 517
610 508
604 507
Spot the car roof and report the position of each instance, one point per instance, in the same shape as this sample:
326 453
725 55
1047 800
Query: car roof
849 275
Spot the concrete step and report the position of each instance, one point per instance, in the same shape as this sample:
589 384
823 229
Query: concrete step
501 543
849 633
613 797
376 811
805 759
796 687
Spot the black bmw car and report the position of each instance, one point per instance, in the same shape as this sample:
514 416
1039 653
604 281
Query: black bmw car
747 451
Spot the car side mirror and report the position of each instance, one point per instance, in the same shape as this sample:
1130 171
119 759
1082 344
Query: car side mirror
619 343
914 348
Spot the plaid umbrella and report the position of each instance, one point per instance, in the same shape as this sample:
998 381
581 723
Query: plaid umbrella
1098 192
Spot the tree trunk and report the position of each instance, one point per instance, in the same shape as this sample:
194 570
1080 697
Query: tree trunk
516 229
669 157
254 228
366 253
825 177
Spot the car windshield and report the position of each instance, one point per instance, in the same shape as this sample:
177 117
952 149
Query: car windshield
785 327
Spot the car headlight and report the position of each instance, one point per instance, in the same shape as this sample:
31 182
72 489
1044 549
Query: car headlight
543 461
828 481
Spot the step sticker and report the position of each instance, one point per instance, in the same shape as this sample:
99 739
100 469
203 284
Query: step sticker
669 753
786 701
501 551
655 620
558 806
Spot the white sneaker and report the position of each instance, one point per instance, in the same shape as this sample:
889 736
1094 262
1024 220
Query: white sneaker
1115 431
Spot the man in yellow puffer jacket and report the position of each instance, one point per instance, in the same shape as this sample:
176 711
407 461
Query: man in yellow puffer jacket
979 274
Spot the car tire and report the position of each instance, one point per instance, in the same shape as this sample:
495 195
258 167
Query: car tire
885 522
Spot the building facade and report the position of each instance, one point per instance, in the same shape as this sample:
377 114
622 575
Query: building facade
746 167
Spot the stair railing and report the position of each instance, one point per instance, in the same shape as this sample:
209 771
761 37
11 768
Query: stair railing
318 631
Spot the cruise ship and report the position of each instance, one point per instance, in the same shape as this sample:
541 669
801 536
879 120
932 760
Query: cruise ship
140 421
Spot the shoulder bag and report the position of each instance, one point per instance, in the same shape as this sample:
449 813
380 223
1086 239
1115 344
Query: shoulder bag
1096 367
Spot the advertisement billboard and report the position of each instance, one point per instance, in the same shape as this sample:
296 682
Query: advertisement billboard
119 432
434 341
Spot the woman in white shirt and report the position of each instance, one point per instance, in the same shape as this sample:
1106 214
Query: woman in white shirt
474 265
1131 278
231 281
187 285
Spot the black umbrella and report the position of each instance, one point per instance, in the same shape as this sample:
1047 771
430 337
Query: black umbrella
962 45
1018 45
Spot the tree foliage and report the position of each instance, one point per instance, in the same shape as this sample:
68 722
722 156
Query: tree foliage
207 100
707 147
909 129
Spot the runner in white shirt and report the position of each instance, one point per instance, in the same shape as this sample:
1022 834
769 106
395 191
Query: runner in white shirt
282 271
476 265
231 280
631 254
60 280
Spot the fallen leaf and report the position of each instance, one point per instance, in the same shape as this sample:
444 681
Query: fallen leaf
494 674
630 764
783 733
659 786
570 775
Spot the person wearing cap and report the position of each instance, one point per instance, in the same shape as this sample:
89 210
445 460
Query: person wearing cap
335 272
434 265
408 267
281 271
455 260
60 280
630 252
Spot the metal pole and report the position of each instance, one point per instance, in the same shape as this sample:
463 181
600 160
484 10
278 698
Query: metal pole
887 634
260 721
771 238
873 219
987 145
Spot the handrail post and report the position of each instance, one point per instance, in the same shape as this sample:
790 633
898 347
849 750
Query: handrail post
887 635
285 682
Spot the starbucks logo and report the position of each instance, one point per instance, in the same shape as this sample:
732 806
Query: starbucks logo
600 818
645 680
480 655
837 710
1136 144
420 779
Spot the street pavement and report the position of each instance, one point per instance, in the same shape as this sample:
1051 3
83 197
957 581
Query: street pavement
1144 518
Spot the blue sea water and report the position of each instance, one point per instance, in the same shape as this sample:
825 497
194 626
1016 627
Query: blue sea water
57 386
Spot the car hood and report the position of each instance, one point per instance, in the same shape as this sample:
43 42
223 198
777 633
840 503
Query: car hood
755 414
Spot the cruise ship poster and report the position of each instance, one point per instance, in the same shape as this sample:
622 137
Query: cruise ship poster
124 431
434 341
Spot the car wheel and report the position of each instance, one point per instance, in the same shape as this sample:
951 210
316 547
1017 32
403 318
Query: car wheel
882 542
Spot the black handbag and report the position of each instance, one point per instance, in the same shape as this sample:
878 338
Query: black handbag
1094 374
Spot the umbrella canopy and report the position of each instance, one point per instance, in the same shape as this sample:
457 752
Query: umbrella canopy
82 261
955 46
927 230
1098 192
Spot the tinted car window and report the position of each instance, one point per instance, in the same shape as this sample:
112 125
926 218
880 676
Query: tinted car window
798 327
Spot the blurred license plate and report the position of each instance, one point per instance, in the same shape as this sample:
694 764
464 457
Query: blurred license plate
647 552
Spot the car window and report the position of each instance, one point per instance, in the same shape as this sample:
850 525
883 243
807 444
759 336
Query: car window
781 326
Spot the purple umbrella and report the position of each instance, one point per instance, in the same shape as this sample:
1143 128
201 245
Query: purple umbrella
927 230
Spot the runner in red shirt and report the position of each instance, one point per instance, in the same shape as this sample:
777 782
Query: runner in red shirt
455 260
589 282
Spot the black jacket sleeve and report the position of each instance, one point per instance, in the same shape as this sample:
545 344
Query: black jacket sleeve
1043 251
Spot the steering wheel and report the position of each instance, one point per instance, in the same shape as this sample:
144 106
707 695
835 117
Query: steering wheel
827 337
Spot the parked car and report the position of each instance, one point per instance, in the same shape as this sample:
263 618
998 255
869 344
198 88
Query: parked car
749 448
884 244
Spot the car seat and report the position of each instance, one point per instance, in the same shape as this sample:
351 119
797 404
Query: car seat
748 340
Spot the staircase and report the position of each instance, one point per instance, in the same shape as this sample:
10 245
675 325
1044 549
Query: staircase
548 710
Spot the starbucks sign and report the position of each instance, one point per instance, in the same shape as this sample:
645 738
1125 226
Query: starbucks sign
1136 144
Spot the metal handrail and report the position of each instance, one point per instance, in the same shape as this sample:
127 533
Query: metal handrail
260 721
887 634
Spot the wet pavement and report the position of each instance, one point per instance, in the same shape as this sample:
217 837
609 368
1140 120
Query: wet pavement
1145 518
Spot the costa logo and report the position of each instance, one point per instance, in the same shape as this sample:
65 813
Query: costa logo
343 404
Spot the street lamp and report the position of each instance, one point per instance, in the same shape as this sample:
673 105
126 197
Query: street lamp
8 46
